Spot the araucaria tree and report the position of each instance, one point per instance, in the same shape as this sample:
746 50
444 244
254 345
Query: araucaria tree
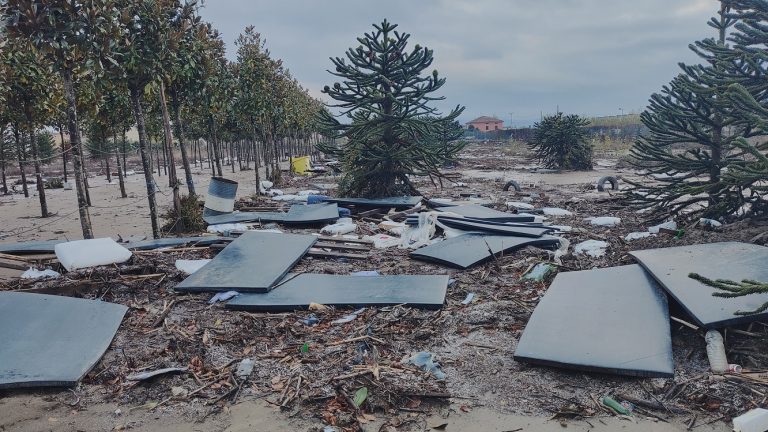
699 139
560 142
392 133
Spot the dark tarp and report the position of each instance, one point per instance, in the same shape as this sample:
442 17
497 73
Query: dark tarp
254 262
30 247
731 260
174 242
471 249
485 213
399 203
52 340
612 320
298 292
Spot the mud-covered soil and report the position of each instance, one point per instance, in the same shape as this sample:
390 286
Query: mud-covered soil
311 373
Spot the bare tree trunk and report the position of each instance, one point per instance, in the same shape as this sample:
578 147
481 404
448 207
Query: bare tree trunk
77 154
20 153
182 146
125 150
119 168
36 163
139 114
173 181
215 145
2 160
63 152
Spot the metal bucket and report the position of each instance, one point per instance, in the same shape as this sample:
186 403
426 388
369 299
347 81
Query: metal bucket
221 196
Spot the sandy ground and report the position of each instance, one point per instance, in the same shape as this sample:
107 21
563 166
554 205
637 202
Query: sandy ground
24 413
112 215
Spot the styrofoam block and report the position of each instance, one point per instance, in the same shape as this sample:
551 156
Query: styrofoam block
79 254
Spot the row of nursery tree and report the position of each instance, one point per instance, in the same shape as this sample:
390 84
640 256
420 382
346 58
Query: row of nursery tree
90 71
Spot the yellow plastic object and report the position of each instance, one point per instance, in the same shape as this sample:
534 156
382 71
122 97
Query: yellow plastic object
300 165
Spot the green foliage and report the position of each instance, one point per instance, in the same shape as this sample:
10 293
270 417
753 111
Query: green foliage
188 220
392 133
700 154
731 289
560 142
45 147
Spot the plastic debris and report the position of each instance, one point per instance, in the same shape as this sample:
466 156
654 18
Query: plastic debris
562 228
554 211
245 368
612 404
604 221
311 320
392 227
315 199
468 300
289 198
421 235
191 266
342 226
308 192
34 274
520 205
593 248
151 374
223 296
755 420
710 223
383 241
348 318
365 273
670 225
426 361
716 352
227 228
637 235
539 272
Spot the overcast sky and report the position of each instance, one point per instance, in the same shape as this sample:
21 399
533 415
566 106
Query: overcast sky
508 58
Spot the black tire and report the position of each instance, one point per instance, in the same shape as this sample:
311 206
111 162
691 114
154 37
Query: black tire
513 184
607 179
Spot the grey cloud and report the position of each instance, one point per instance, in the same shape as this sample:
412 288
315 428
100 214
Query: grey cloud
499 56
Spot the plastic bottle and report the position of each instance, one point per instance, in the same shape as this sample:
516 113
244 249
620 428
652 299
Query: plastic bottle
716 352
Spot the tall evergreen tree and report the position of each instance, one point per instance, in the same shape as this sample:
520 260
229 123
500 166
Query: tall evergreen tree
391 131
693 136
561 142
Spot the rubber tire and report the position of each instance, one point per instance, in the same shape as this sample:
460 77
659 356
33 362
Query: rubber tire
607 179
513 184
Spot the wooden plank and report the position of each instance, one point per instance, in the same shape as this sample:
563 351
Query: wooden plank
13 257
324 254
333 245
13 266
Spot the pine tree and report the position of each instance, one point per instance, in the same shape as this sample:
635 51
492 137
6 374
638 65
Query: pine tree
392 132
696 136
560 142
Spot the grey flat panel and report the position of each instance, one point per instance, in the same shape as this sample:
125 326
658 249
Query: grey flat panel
52 340
480 212
611 320
245 217
312 213
425 291
471 249
731 260
174 242
404 202
254 262
30 247
497 229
